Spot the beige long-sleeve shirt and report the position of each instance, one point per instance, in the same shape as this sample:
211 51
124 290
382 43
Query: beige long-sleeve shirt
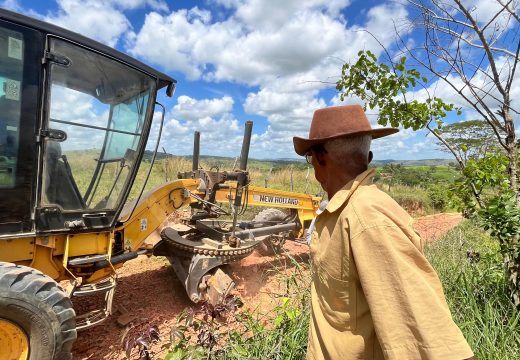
374 295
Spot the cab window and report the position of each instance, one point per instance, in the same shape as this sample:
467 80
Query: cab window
11 78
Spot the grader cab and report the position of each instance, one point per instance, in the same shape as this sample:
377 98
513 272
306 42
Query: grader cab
75 117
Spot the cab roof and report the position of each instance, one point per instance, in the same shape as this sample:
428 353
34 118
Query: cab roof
49 29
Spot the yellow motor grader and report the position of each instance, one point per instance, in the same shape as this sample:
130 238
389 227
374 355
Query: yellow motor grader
75 117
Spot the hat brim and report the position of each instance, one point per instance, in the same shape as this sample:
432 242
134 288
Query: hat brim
302 146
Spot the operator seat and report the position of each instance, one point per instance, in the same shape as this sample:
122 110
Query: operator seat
61 189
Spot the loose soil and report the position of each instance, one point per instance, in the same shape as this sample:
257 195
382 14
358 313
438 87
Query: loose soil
149 290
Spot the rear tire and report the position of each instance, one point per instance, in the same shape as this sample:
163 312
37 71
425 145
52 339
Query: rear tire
40 308
273 244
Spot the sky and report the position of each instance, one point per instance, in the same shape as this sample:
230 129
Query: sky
273 62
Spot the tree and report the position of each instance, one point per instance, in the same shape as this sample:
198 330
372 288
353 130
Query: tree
472 139
390 173
474 53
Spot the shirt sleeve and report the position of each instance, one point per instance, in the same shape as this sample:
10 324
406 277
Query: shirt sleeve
410 314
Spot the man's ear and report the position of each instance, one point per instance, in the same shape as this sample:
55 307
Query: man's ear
320 158
370 156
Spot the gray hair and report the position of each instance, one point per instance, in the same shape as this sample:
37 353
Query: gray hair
341 150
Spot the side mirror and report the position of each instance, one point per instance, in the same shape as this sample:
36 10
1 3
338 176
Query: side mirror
170 89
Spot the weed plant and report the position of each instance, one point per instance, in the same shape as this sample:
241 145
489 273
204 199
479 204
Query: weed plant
280 333
467 261
283 334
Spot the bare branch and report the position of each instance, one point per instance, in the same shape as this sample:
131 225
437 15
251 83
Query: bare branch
510 11
513 70
496 15
489 116
482 38
434 15
472 44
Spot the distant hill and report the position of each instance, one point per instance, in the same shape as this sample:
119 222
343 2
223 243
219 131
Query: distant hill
423 162
288 161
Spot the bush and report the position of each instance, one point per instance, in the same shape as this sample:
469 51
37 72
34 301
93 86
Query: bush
414 200
466 260
439 197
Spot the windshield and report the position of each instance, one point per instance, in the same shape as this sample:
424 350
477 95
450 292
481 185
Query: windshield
99 106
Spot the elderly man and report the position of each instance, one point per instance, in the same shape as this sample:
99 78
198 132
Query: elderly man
374 295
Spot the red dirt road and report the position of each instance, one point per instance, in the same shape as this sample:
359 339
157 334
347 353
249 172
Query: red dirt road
432 227
148 289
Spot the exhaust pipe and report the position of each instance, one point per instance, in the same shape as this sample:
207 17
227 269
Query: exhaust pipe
245 145
196 151
244 154
242 179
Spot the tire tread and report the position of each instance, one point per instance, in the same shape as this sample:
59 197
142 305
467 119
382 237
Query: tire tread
38 285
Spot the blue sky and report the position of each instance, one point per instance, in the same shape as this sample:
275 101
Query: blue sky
273 62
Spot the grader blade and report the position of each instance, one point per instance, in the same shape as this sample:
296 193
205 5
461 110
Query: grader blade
195 275
195 253
196 261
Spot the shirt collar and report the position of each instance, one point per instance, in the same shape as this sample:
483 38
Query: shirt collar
346 191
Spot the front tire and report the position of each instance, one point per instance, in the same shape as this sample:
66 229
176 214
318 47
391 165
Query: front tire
38 308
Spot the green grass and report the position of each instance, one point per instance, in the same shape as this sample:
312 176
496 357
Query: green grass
477 292
441 173
280 175
414 199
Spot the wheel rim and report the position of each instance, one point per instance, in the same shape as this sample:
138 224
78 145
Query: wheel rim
14 343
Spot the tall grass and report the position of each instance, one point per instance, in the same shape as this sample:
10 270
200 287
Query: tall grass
289 178
477 291
280 333
414 199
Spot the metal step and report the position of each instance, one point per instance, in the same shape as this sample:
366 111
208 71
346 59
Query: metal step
90 289
90 319
94 317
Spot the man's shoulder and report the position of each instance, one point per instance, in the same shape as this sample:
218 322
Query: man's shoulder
371 196
370 206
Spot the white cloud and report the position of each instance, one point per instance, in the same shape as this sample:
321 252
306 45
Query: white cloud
221 133
178 38
291 54
159 5
260 42
91 18
13 5
286 53
268 15
102 20
191 109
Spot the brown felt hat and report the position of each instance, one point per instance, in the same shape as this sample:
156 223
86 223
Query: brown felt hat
335 122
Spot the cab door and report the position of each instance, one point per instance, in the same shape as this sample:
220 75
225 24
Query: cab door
20 71
98 113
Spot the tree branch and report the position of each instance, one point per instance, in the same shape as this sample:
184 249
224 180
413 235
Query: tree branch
483 40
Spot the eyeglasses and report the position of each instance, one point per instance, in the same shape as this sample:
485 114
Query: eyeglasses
317 149
308 157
